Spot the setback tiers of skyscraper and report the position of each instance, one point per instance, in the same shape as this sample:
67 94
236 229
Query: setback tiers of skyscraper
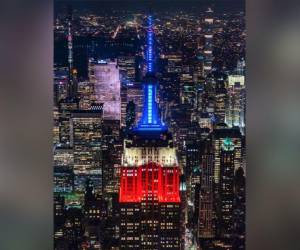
149 183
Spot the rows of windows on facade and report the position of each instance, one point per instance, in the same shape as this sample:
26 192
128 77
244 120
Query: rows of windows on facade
149 124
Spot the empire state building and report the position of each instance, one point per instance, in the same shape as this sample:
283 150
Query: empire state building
149 181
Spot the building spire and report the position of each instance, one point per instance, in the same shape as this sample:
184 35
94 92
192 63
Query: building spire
72 83
149 55
150 120
70 42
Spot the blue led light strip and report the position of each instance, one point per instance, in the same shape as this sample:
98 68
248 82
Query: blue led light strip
150 104
150 120
149 54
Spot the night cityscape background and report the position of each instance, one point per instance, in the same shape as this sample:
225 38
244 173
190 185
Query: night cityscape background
149 125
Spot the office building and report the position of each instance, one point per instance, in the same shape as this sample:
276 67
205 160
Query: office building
86 140
235 112
106 79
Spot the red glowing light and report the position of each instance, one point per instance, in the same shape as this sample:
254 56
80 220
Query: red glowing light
149 181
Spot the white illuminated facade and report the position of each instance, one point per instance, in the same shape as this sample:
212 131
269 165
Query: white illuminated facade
136 156
106 79
236 79
235 114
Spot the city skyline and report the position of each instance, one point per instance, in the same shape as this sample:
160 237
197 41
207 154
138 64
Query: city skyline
149 128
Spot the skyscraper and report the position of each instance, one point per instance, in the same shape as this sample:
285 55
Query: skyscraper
130 114
149 185
235 112
206 229
221 133
72 85
226 188
127 66
106 79
220 99
86 140
66 107
135 94
208 46
70 102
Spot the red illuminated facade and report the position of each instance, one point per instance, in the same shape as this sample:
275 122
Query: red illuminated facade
149 196
149 182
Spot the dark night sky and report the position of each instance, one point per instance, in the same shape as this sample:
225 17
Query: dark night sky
144 5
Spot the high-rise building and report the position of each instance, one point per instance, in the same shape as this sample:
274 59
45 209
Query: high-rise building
63 156
193 152
208 45
135 94
123 103
226 188
86 94
72 83
187 90
226 146
86 141
59 217
55 129
61 75
149 186
219 135
220 100
73 229
112 148
66 107
130 114
206 228
127 66
92 205
239 209
106 79
235 112
63 179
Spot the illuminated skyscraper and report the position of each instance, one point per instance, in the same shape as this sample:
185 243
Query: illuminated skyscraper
70 102
66 107
135 94
221 133
208 46
220 100
226 146
70 40
63 179
149 185
235 113
206 229
127 66
86 141
55 129
61 78
123 103
72 84
226 193
106 79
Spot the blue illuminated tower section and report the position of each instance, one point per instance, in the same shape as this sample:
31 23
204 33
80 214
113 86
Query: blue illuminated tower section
150 120
149 194
149 53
